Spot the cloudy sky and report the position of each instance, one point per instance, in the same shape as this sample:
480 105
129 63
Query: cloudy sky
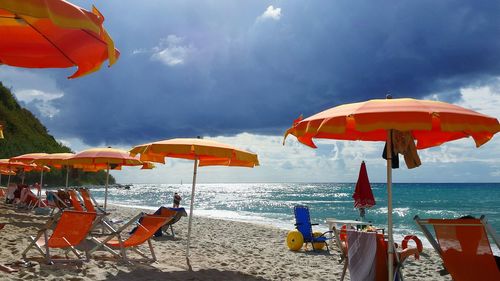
242 71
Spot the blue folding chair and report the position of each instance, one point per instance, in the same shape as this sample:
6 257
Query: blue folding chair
304 226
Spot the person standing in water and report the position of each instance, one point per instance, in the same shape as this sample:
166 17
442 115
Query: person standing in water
177 200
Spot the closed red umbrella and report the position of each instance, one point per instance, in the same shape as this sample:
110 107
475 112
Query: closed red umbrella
363 195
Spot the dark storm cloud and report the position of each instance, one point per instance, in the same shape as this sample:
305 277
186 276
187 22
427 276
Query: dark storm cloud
242 74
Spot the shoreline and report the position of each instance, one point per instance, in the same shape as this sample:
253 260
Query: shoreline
220 250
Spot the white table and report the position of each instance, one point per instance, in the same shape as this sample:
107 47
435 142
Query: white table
332 223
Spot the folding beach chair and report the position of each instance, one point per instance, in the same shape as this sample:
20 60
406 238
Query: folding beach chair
147 227
464 247
366 256
76 204
304 226
173 215
71 229
92 206
55 202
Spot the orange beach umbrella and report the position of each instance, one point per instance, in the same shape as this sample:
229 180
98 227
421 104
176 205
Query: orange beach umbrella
92 159
28 159
431 123
7 172
56 160
53 34
203 152
15 165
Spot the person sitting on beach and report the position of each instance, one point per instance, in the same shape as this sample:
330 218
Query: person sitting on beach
9 199
27 197
177 200
38 189
19 192
64 201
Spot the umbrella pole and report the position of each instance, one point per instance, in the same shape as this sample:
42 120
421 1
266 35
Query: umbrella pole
8 181
390 248
106 189
191 207
41 186
67 176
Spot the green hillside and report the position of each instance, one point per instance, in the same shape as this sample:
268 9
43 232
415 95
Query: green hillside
23 133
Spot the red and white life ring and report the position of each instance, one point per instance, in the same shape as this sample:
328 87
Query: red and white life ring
404 244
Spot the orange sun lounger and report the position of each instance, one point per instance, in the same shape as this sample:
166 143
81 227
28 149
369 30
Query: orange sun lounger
75 202
147 227
376 253
71 229
92 206
464 247
173 215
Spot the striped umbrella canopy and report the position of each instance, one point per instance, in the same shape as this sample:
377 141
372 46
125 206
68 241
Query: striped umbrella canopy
14 166
203 152
431 123
53 34
96 159
56 160
28 159
7 164
7 172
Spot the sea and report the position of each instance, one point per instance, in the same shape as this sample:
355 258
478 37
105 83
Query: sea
272 203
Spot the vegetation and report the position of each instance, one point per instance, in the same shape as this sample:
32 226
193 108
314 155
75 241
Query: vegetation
24 133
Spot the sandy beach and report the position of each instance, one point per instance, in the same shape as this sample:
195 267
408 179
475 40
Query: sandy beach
220 250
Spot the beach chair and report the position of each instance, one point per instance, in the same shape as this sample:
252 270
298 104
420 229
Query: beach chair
55 202
89 201
76 204
70 230
304 226
173 215
463 246
92 206
366 256
147 227
102 220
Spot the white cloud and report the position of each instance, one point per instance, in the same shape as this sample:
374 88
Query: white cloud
270 13
41 100
333 161
170 51
35 90
484 100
